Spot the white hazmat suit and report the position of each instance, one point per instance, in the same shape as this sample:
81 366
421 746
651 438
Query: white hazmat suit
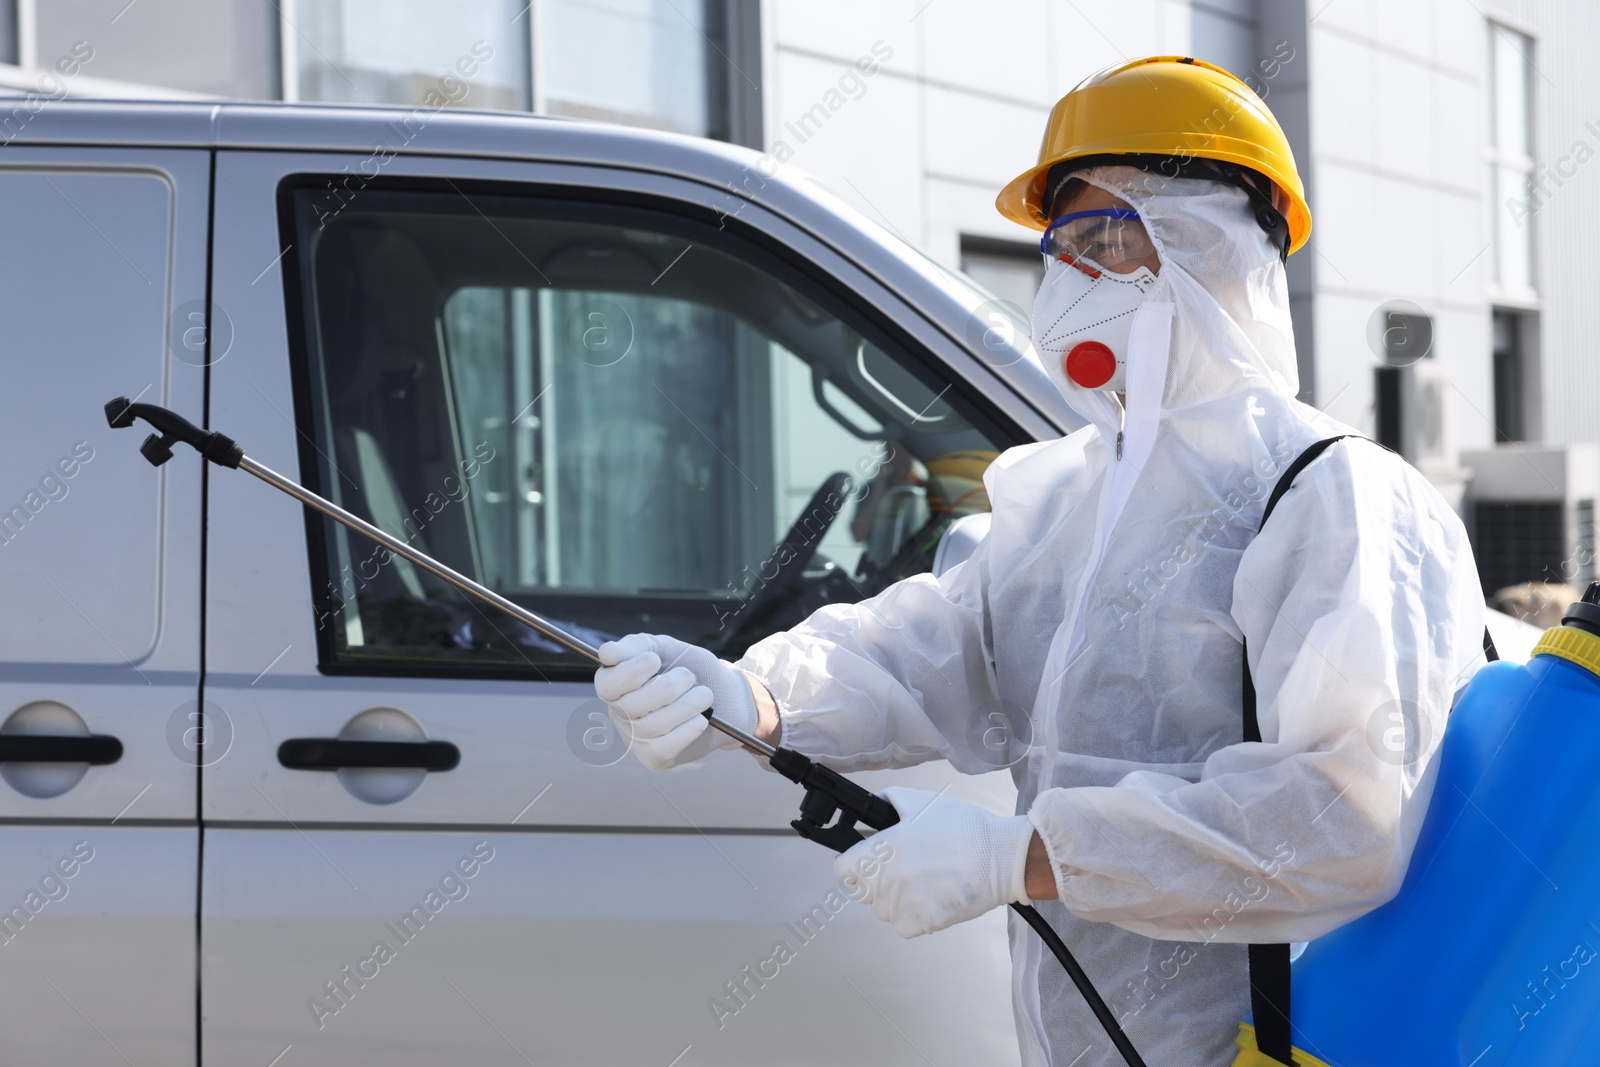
1103 615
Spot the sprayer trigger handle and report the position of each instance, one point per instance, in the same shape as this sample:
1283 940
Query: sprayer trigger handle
156 449
218 448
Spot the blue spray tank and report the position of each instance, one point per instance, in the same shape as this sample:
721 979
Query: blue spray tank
1490 954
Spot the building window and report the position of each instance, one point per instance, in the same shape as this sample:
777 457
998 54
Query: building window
1583 544
470 53
1516 200
1008 269
663 63
1388 401
8 31
1401 421
1510 403
689 66
218 48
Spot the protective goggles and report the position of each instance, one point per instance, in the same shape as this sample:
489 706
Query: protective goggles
1109 238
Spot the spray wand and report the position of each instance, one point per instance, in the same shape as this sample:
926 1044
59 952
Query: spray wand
832 804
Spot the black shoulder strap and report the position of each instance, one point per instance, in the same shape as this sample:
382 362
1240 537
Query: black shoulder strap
1269 964
1301 462
1252 728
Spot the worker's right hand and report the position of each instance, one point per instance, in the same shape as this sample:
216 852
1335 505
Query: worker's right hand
656 688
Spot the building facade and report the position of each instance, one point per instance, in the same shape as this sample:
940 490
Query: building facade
1440 306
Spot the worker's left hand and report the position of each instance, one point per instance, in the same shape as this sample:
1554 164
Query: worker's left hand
944 862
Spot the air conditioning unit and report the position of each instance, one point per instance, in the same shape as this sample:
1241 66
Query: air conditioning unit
1430 443
1434 440
1531 513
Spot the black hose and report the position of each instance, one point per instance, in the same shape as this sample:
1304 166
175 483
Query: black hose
1086 988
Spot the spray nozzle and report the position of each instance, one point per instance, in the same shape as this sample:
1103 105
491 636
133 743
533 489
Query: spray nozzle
157 448
1585 614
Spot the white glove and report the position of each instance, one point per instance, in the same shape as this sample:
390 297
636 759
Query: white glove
656 688
944 862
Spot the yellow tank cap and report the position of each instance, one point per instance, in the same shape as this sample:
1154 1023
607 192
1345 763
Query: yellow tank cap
1571 644
1250 1056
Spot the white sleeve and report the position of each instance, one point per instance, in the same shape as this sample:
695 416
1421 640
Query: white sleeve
892 681
1363 615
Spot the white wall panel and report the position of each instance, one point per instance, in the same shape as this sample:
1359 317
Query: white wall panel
981 140
868 152
1403 115
1342 122
995 49
842 28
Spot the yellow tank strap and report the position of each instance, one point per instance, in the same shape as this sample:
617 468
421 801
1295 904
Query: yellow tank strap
1572 644
1250 1056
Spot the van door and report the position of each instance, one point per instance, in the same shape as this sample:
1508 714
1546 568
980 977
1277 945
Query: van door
102 292
583 388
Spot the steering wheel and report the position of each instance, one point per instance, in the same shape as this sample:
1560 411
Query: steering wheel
802 542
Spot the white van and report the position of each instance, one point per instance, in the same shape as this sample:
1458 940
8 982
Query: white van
606 372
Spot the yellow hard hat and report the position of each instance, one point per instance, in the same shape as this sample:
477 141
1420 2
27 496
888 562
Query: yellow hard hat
1167 107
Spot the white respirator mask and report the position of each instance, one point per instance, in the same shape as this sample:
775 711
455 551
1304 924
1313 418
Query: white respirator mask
1092 286
1081 321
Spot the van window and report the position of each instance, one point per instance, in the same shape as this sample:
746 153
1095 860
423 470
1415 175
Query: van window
624 419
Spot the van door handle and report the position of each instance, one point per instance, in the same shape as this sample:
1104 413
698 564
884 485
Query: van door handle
94 749
332 753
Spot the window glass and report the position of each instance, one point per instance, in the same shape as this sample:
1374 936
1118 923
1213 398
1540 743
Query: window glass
1515 202
621 419
1584 545
659 65
8 31
467 53
1510 51
1508 372
1009 270
223 47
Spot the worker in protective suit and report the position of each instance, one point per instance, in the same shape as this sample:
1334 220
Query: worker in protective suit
1124 606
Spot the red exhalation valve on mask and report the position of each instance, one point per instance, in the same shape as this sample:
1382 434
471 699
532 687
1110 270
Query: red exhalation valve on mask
1090 365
